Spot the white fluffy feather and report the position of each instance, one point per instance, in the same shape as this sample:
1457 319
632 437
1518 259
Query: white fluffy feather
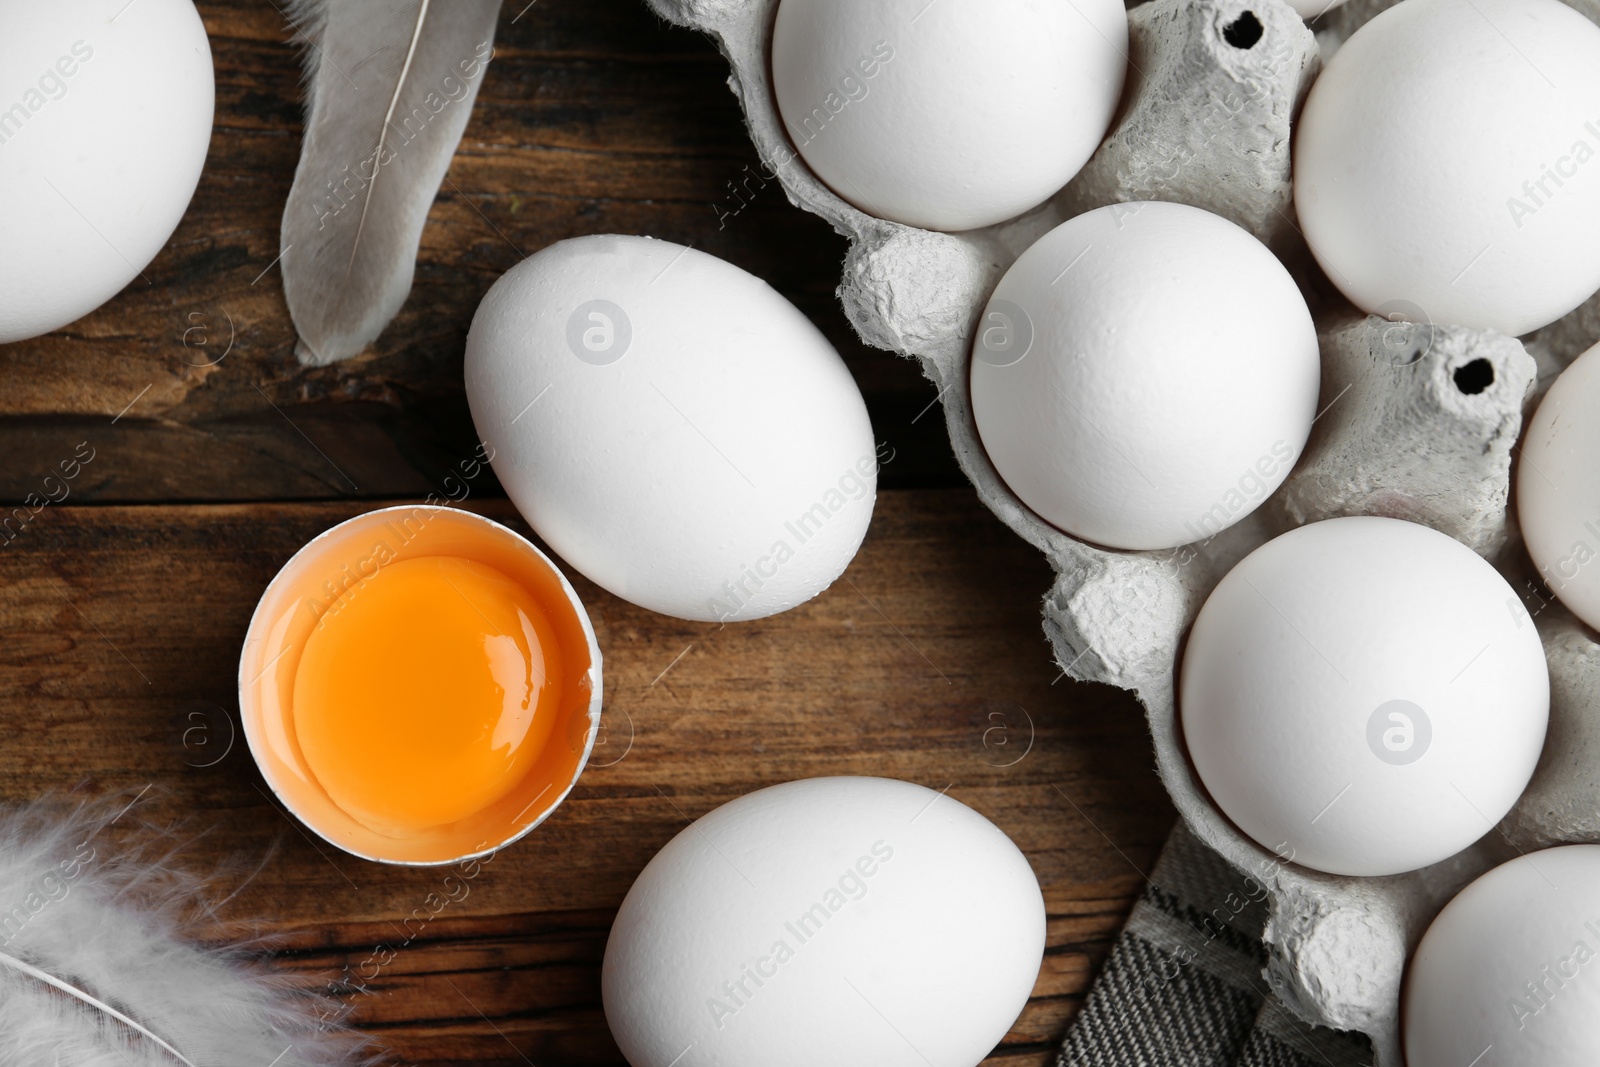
116 921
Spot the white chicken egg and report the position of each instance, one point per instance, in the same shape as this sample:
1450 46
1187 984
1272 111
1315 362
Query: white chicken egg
1447 163
105 118
1145 375
1509 973
1310 10
856 922
672 427
947 115
1364 696
1558 492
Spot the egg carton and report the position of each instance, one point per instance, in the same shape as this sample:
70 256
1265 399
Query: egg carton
1419 423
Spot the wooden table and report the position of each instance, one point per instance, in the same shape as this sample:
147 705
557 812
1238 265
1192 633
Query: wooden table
122 607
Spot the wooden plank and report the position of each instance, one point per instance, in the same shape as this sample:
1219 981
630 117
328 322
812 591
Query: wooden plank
120 625
593 118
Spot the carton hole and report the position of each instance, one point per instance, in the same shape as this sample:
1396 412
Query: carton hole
1244 31
1474 377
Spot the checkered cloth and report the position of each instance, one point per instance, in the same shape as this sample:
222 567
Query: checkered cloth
1183 986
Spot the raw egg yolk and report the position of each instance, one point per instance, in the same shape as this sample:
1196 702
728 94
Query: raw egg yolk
426 692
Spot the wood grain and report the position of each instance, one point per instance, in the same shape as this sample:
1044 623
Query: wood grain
120 625
594 117
119 635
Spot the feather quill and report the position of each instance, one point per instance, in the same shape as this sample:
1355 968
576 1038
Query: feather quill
89 999
100 966
390 85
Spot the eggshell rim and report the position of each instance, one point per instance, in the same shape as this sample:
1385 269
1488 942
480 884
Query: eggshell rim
303 556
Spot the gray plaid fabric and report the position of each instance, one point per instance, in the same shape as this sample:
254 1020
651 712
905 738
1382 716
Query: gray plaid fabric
1183 986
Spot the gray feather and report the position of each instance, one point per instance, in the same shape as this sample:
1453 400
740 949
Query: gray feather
100 965
390 86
